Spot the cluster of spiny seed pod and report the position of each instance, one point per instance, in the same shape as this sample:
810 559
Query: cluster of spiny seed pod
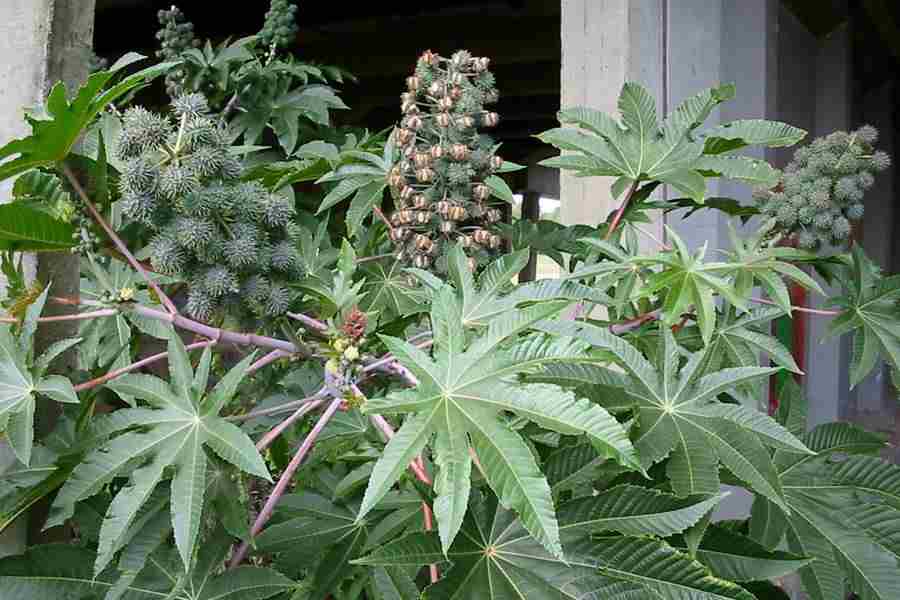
822 190
232 242
176 35
280 28
439 182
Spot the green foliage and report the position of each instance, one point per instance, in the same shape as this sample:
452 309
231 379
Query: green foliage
180 421
54 132
459 400
641 149
23 380
249 80
561 438
869 311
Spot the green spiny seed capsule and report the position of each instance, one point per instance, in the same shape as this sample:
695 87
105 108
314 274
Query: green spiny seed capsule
230 241
823 188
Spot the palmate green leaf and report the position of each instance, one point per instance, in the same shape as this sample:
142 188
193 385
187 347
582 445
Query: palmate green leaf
632 510
388 291
493 558
734 557
175 434
685 281
640 149
55 132
755 262
679 418
834 506
870 312
64 572
463 392
740 339
494 294
22 382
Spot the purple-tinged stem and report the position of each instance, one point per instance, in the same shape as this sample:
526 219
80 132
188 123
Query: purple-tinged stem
266 440
281 487
625 327
267 360
106 312
135 365
390 365
222 335
309 323
117 240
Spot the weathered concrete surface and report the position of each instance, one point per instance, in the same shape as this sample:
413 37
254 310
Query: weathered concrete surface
41 42
604 44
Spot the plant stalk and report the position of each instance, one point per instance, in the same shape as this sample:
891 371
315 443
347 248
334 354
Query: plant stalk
106 312
135 365
120 245
804 309
285 480
619 213
266 440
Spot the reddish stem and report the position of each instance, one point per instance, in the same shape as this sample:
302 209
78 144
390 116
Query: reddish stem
106 312
621 211
418 468
136 365
630 324
285 480
812 311
267 360
380 215
76 185
273 434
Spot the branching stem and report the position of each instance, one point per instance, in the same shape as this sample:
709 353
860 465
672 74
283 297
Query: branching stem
135 365
120 245
284 481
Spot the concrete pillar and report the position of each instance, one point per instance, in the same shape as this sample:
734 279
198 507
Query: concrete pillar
604 44
41 42
827 379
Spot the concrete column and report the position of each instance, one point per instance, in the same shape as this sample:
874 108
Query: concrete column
42 41
827 377
606 43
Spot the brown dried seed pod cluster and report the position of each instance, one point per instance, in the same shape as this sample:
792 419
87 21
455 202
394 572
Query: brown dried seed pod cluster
440 183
